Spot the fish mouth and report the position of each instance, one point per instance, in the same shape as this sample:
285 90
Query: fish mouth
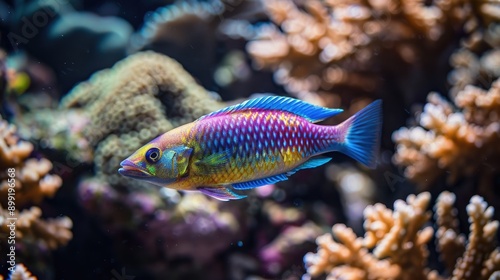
130 169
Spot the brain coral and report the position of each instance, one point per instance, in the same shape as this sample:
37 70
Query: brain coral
141 97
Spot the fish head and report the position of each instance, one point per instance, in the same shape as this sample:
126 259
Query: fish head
156 164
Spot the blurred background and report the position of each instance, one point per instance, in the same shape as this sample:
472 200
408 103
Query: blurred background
83 84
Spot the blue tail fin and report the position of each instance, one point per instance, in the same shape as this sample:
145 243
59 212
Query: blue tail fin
361 134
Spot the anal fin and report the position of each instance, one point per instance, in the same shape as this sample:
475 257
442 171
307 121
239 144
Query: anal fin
223 193
260 182
312 163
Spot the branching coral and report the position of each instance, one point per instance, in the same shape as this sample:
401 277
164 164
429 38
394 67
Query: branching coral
33 182
141 97
31 229
460 139
319 47
27 181
478 60
399 241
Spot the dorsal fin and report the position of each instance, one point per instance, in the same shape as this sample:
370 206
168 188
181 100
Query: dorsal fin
308 111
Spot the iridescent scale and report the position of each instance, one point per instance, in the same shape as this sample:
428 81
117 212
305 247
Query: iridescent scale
261 142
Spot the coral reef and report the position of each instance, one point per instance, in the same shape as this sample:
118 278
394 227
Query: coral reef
33 182
25 181
328 52
477 61
33 231
164 224
141 97
399 241
338 53
458 139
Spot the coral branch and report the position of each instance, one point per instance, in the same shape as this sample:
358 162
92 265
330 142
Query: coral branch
31 229
482 239
450 243
33 182
399 240
460 139
319 49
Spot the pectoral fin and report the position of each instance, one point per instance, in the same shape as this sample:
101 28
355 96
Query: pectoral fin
224 193
213 163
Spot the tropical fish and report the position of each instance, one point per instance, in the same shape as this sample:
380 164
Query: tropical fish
260 141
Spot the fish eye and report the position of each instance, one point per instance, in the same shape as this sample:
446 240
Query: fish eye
153 155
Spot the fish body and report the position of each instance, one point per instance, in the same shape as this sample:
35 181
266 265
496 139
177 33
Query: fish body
258 142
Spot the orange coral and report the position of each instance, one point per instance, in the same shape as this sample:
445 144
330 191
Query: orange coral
318 48
460 142
399 240
33 182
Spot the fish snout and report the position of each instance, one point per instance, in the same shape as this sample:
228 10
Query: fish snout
130 169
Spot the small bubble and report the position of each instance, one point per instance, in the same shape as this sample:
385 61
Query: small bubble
240 243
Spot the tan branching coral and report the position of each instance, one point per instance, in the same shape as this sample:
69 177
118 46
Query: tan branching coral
29 179
477 62
317 48
30 228
53 233
141 97
399 241
460 139
450 243
33 182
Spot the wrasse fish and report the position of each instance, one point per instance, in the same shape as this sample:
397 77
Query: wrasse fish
260 141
